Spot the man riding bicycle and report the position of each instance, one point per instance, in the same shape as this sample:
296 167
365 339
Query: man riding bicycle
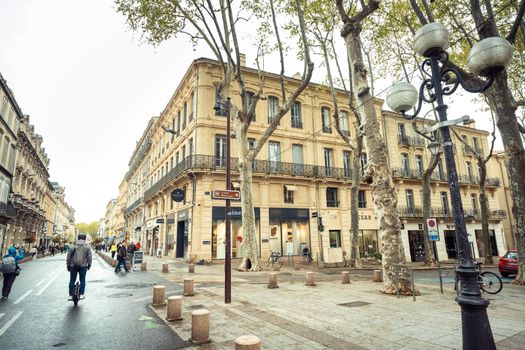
78 262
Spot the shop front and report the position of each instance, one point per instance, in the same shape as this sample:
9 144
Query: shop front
368 243
170 234
289 230
416 241
218 247
152 236
181 245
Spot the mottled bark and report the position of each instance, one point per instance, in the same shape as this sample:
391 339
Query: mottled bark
383 189
355 256
429 251
484 206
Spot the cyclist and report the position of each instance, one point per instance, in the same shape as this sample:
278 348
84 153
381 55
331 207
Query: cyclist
78 262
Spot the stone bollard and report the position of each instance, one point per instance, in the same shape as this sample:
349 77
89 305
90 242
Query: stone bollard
272 280
310 279
159 296
191 268
165 268
143 266
247 342
345 276
174 312
378 276
200 326
113 263
188 287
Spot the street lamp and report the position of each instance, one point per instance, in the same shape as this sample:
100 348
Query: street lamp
433 147
486 58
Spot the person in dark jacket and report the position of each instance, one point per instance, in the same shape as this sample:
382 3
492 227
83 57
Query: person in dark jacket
121 258
9 278
78 262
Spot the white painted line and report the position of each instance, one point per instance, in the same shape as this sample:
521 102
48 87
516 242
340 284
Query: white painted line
22 297
48 284
151 296
2 315
10 322
39 283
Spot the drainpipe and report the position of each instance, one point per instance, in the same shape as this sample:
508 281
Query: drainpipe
319 234
193 178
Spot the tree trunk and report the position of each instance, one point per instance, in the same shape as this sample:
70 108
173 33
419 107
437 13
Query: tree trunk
355 256
430 259
383 189
484 206
248 214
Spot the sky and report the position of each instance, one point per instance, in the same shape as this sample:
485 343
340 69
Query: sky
90 87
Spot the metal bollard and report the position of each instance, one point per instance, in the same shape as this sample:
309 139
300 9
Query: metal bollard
310 279
174 312
159 296
200 326
191 268
165 268
143 266
345 276
378 276
272 280
188 287
247 342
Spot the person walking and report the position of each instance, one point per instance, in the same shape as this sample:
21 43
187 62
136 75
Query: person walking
78 261
121 258
10 269
33 252
113 250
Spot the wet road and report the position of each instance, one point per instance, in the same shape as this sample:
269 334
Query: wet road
114 315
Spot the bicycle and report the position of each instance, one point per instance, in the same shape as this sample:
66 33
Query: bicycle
488 282
76 293
275 258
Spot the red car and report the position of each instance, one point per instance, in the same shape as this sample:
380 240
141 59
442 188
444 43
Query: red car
508 265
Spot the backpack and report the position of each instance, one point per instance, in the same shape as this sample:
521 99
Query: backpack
8 264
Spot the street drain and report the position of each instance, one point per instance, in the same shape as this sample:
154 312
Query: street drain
195 307
130 285
354 304
120 295
58 345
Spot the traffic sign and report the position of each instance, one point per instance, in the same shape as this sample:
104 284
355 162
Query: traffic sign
433 234
226 194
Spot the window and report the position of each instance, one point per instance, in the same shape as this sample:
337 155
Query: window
5 150
328 161
220 150
404 164
347 159
297 121
4 107
335 238
177 158
190 147
171 163
475 143
401 134
474 202
343 122
219 102
184 115
172 128
251 143
273 108
439 170
274 155
468 165
183 153
444 203
420 165
409 195
178 123
193 107
288 195
325 120
297 159
361 199
331 197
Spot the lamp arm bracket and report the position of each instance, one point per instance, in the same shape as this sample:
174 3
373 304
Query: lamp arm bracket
426 84
461 81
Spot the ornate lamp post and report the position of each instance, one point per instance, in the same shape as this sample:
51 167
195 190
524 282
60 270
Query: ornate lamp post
486 58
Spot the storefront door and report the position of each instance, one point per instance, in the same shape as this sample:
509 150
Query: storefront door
180 239
416 241
450 244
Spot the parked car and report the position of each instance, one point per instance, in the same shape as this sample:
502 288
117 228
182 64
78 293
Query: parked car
508 265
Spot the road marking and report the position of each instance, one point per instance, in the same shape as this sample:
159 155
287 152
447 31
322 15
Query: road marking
22 297
151 296
39 283
48 284
10 322
2 315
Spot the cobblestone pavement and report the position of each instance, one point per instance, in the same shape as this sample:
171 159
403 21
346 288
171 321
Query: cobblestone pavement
332 315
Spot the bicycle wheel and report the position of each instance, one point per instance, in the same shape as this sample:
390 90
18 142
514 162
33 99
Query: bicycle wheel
490 282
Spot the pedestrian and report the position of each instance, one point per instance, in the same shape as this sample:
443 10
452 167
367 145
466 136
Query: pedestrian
33 252
137 246
53 250
131 248
113 250
121 258
10 269
159 251
78 261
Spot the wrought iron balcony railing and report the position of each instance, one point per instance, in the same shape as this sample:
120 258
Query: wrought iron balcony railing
492 182
406 173
410 212
133 206
441 212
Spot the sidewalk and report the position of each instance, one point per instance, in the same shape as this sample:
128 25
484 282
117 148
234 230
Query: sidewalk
332 315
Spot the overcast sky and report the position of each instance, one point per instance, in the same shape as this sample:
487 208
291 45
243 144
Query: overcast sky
89 88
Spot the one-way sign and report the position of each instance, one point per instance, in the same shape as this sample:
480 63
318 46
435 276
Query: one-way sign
226 194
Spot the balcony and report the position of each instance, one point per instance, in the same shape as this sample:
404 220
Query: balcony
410 212
401 173
492 182
436 176
133 206
468 179
414 141
497 214
403 140
441 213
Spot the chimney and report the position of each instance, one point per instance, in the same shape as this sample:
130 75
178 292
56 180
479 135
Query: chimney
297 75
242 59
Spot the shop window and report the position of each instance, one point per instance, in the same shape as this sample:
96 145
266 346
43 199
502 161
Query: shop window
361 199
335 238
288 195
368 243
332 200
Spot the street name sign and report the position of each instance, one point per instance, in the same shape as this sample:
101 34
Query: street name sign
226 194
433 234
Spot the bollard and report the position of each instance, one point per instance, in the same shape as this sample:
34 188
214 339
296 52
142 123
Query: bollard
159 295
143 266
247 342
310 279
188 287
165 268
191 268
345 276
272 280
378 276
200 326
174 312
113 263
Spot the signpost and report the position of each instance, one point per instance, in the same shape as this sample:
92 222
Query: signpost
433 236
226 194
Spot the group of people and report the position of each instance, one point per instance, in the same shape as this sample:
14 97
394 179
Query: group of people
121 250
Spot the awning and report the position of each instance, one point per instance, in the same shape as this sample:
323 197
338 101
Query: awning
291 188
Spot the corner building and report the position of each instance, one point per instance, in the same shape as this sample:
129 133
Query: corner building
301 176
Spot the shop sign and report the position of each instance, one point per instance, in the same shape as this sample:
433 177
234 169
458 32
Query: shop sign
289 214
183 215
177 195
226 194
218 213
433 234
159 221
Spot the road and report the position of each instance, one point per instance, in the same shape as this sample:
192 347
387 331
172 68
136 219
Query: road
114 315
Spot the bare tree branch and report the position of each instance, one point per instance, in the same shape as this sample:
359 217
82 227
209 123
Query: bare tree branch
280 48
418 12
